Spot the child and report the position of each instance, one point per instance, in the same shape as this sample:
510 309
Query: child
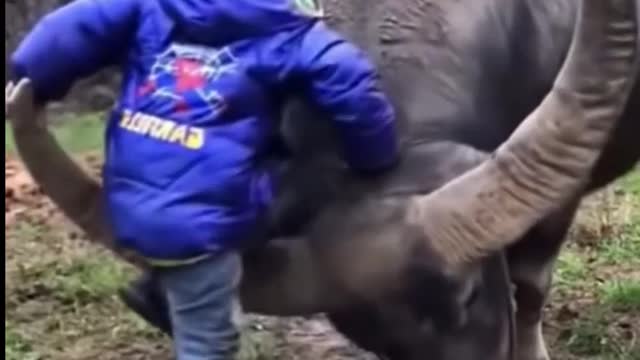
203 80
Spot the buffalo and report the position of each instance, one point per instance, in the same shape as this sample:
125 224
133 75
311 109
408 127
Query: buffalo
508 119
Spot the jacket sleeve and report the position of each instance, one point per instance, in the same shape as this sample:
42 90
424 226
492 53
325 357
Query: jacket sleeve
73 42
341 80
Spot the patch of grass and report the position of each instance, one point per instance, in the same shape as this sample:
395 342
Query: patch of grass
9 144
89 279
631 183
610 213
16 347
257 345
589 339
62 268
586 339
623 249
26 230
609 223
77 133
622 295
597 279
623 246
130 322
60 300
599 335
571 269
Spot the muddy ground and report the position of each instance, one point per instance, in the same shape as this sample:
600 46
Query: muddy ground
60 298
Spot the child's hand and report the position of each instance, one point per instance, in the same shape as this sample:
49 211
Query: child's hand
20 108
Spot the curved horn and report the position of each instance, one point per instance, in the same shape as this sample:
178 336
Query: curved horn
77 194
550 155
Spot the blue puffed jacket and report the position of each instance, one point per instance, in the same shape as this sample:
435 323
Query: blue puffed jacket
203 82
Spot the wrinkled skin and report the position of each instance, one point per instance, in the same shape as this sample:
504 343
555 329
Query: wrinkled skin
408 265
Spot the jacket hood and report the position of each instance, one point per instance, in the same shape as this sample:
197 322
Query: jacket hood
222 21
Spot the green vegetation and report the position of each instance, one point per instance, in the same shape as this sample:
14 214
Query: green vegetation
76 133
591 339
16 347
599 281
631 183
571 270
622 295
88 279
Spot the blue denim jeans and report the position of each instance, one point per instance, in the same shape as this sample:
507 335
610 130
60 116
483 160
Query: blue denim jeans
203 303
